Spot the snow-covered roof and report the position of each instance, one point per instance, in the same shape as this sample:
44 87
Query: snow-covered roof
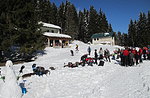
56 35
105 34
101 35
50 25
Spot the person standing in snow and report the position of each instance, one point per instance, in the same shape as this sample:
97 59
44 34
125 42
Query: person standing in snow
77 47
144 53
96 56
89 50
72 54
136 57
101 53
148 54
126 54
140 54
122 57
107 55
134 51
131 56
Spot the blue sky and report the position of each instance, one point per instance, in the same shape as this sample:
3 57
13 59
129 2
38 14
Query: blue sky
118 12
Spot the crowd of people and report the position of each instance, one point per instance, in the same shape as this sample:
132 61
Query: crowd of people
132 56
128 56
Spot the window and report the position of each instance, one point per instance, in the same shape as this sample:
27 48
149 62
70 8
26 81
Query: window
95 39
52 31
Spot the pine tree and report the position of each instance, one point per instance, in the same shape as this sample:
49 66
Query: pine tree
53 14
86 24
131 34
148 29
27 25
6 24
141 30
119 39
81 26
93 23
71 25
110 29
19 25
125 39
103 25
61 16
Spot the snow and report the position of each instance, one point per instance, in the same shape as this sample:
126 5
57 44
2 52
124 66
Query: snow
106 34
108 81
50 25
56 35
10 89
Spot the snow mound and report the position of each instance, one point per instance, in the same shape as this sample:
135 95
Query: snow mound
10 88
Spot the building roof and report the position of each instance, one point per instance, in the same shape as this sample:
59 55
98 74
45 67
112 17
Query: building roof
49 34
101 35
50 25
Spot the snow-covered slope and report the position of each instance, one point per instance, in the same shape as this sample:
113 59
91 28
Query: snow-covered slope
109 81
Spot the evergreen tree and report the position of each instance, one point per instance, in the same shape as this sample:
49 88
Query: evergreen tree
71 25
19 25
125 39
110 28
131 34
28 37
93 23
138 31
119 39
62 16
148 29
141 30
54 14
103 25
81 26
86 24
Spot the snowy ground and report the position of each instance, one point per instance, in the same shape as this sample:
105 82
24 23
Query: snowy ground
109 81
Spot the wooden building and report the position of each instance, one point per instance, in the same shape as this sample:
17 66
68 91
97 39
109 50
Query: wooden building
54 36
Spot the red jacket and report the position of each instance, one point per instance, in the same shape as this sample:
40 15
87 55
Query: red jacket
140 51
134 51
125 52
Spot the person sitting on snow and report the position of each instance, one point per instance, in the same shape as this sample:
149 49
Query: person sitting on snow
34 68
